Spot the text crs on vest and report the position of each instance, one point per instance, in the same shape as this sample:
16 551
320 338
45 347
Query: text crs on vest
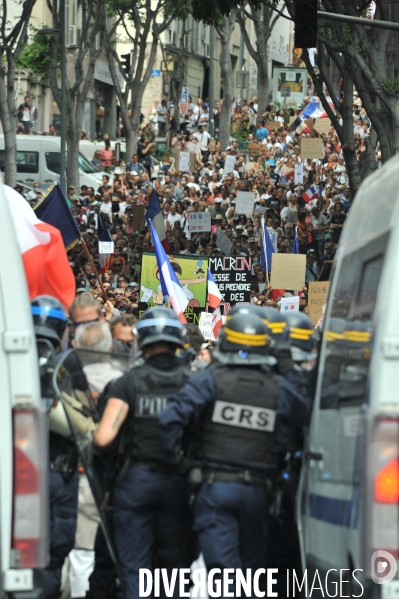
230 582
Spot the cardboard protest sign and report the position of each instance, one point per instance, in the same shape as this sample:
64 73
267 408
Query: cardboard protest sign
199 222
254 149
184 161
289 304
138 212
205 325
311 147
229 164
255 165
223 242
317 297
232 275
288 271
322 125
193 161
212 145
190 271
274 126
245 202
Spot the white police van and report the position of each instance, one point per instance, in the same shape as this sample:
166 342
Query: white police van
348 499
23 439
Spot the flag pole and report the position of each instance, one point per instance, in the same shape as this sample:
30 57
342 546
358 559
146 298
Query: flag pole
263 241
89 256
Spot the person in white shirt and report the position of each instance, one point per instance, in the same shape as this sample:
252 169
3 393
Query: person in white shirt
32 195
162 112
106 206
173 217
202 138
191 183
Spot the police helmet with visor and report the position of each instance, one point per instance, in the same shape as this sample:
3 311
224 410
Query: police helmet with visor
244 334
275 321
158 325
49 317
300 335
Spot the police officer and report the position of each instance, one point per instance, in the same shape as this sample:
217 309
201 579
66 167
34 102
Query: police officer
301 337
247 415
151 512
50 321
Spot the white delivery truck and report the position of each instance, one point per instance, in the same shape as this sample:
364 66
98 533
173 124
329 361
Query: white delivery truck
348 499
38 159
23 439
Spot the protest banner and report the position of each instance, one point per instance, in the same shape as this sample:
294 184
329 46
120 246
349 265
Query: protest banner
260 209
190 271
274 125
289 304
322 125
317 297
205 325
232 275
223 242
229 164
288 271
191 313
298 174
138 212
245 202
255 149
106 247
199 222
311 147
184 161
252 165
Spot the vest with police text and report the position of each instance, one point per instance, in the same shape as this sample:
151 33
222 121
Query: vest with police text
153 388
240 428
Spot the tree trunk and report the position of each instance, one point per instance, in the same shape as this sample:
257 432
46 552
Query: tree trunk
7 119
135 116
348 136
226 71
263 83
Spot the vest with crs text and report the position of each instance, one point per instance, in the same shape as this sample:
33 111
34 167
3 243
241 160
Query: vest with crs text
153 389
240 428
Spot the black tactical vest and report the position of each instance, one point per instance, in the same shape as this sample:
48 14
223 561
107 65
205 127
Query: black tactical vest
153 389
241 429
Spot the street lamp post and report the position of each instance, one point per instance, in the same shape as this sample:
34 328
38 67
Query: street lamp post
63 182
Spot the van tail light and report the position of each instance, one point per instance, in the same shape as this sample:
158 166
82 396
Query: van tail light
29 529
386 483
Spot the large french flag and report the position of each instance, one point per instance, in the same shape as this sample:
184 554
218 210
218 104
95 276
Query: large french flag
214 296
314 110
266 251
217 322
154 214
169 282
43 252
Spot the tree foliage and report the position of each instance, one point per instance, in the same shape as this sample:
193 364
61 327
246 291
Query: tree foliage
36 55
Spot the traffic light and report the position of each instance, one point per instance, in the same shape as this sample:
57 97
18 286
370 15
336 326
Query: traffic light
125 62
305 23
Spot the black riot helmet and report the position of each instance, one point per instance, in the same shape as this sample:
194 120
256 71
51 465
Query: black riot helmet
300 335
276 322
159 325
245 334
49 317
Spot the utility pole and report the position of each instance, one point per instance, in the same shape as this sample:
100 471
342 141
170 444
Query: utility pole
212 81
63 181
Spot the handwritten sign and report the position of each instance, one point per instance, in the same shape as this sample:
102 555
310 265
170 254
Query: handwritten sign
298 173
229 164
317 297
252 165
245 202
199 222
289 304
106 247
322 125
232 275
223 242
274 125
311 147
184 161
254 149
205 325
288 271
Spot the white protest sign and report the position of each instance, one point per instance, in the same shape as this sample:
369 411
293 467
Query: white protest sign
106 247
245 202
184 161
223 242
229 164
298 174
205 325
289 304
199 222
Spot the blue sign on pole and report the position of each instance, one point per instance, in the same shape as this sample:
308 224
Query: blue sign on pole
184 96
155 73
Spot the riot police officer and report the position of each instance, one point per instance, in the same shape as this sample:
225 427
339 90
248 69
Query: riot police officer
50 321
247 414
150 499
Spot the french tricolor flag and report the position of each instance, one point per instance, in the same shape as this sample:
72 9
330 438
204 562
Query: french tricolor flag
312 193
43 252
217 322
154 214
169 282
214 296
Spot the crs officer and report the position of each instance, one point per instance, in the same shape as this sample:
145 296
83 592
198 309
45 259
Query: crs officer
247 415
150 499
50 322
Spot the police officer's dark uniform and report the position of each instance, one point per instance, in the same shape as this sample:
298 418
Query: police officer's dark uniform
50 321
150 500
247 414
